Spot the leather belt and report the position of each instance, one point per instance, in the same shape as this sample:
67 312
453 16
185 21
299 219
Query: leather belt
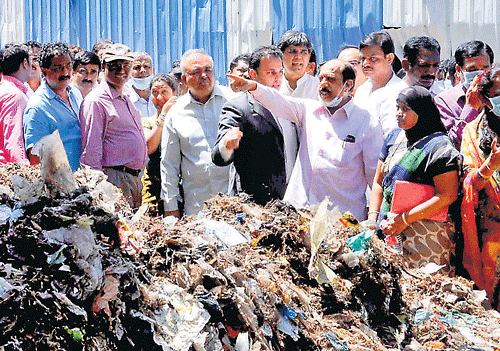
134 172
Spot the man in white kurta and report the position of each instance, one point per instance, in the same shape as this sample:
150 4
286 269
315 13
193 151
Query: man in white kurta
339 142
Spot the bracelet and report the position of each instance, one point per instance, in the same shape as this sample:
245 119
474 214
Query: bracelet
159 122
404 219
481 176
162 116
487 166
370 212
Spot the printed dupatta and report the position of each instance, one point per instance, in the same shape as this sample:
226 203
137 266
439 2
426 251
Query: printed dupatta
406 166
474 158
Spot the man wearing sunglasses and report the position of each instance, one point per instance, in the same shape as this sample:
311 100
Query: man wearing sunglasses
55 105
112 136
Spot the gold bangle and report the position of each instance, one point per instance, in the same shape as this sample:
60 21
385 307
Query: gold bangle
480 175
404 219
376 212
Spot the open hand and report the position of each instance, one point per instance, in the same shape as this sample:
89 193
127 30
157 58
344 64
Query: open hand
241 84
493 160
168 105
472 96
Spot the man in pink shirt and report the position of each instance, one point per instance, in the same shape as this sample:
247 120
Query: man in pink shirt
16 68
112 136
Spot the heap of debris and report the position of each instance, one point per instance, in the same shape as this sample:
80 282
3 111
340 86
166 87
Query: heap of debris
81 271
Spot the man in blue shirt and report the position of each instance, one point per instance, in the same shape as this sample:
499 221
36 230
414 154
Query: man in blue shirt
55 105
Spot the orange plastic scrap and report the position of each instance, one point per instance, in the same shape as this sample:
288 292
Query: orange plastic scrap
434 345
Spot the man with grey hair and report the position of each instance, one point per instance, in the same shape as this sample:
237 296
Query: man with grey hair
189 134
140 79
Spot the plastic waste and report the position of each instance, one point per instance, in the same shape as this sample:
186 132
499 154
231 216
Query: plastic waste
54 165
361 241
225 233
421 315
8 214
286 326
430 268
5 288
337 344
75 333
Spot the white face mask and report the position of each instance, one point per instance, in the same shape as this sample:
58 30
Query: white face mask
142 83
469 77
495 105
335 101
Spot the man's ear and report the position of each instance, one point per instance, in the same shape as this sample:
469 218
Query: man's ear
253 74
390 57
183 79
406 65
458 69
26 64
350 85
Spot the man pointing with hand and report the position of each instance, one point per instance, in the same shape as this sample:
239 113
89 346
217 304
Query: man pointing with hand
262 146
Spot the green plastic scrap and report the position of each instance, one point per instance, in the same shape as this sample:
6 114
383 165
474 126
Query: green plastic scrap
75 333
360 242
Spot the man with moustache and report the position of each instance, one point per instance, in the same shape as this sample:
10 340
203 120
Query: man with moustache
140 80
189 133
112 136
54 105
377 57
297 47
339 142
36 73
460 105
85 71
420 62
263 147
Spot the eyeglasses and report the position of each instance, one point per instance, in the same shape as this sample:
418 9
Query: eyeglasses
294 52
199 71
114 66
61 68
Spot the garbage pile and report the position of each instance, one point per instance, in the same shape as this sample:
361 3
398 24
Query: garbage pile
82 271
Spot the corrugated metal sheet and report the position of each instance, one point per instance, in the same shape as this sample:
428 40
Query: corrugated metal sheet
12 21
224 28
451 22
330 24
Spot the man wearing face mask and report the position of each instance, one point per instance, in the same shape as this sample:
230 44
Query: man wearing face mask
140 80
339 141
461 104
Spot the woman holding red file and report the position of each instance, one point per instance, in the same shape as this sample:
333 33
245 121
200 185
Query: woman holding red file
416 181
481 202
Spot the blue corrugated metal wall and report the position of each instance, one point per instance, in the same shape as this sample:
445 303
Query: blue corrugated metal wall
167 28
330 24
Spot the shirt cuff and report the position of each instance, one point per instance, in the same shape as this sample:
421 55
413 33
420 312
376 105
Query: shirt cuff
224 151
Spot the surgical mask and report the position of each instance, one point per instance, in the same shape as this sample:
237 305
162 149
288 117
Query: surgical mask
335 101
495 105
469 77
142 83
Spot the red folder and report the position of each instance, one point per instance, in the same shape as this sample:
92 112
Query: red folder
408 195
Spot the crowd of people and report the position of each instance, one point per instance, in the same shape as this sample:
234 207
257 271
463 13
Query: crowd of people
409 146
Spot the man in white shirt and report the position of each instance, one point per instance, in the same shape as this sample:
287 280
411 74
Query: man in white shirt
296 48
339 142
189 134
420 63
377 56
140 80
352 55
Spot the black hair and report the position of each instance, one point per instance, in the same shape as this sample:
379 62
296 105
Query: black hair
414 44
263 51
313 59
234 62
471 49
11 57
31 44
491 126
176 71
295 38
348 72
167 78
381 39
84 58
51 50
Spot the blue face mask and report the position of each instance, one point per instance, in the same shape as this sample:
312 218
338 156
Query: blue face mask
495 105
469 77
447 84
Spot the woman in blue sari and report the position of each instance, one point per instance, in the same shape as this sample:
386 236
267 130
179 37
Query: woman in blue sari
419 151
